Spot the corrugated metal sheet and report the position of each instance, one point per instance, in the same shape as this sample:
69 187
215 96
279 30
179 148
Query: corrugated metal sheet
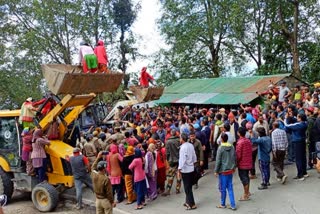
223 84
197 98
219 91
231 99
170 98
261 84
205 98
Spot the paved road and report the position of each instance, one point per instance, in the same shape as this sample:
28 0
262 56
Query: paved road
295 197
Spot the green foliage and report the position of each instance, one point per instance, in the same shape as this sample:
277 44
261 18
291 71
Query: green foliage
194 31
208 38
310 61
37 31
124 14
112 98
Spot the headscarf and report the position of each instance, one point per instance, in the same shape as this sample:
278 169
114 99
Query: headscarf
122 149
37 134
130 151
25 131
137 153
144 69
196 126
249 125
151 147
113 149
100 43
231 115
95 133
151 141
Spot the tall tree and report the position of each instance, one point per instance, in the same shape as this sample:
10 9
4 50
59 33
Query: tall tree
292 35
194 31
37 32
296 20
124 15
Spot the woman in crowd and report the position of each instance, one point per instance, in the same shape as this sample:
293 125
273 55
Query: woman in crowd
115 173
128 179
151 171
161 166
27 149
140 185
38 154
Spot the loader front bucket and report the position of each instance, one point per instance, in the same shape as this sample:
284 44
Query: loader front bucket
147 94
69 79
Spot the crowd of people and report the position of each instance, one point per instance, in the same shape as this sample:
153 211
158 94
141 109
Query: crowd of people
144 154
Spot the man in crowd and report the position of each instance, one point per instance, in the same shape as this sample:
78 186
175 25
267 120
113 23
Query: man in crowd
244 162
261 123
279 147
310 136
80 168
284 92
172 154
102 187
199 153
187 158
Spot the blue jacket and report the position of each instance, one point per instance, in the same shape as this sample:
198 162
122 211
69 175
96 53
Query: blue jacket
298 130
264 147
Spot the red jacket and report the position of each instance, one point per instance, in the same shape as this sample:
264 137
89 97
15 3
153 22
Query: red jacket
244 153
145 77
101 53
161 158
47 107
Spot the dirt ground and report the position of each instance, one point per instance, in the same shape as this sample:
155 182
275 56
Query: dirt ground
21 204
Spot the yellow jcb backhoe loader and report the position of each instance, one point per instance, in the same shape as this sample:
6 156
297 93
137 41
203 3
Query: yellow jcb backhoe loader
79 90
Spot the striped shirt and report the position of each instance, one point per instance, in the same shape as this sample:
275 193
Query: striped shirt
279 140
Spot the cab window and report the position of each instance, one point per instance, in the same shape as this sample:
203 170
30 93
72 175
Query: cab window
9 140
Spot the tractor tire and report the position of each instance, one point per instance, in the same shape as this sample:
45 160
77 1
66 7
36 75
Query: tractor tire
45 197
6 184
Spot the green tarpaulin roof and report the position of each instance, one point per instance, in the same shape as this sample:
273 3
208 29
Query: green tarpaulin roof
219 91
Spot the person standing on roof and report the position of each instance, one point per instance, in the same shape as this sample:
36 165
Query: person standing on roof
145 78
102 56
27 114
87 58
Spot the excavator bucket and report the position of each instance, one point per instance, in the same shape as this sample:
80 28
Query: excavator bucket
69 79
147 94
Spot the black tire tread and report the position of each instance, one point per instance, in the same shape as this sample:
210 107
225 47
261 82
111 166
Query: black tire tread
7 184
53 194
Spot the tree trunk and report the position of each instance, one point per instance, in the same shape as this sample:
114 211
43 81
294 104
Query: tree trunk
294 44
292 37
214 65
123 63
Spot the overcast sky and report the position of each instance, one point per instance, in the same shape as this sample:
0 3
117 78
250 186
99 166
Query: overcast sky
145 26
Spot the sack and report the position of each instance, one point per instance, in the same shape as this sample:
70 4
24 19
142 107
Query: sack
53 131
318 165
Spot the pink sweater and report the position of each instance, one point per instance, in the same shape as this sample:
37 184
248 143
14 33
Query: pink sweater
138 171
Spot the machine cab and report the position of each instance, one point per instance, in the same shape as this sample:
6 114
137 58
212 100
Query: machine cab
10 140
